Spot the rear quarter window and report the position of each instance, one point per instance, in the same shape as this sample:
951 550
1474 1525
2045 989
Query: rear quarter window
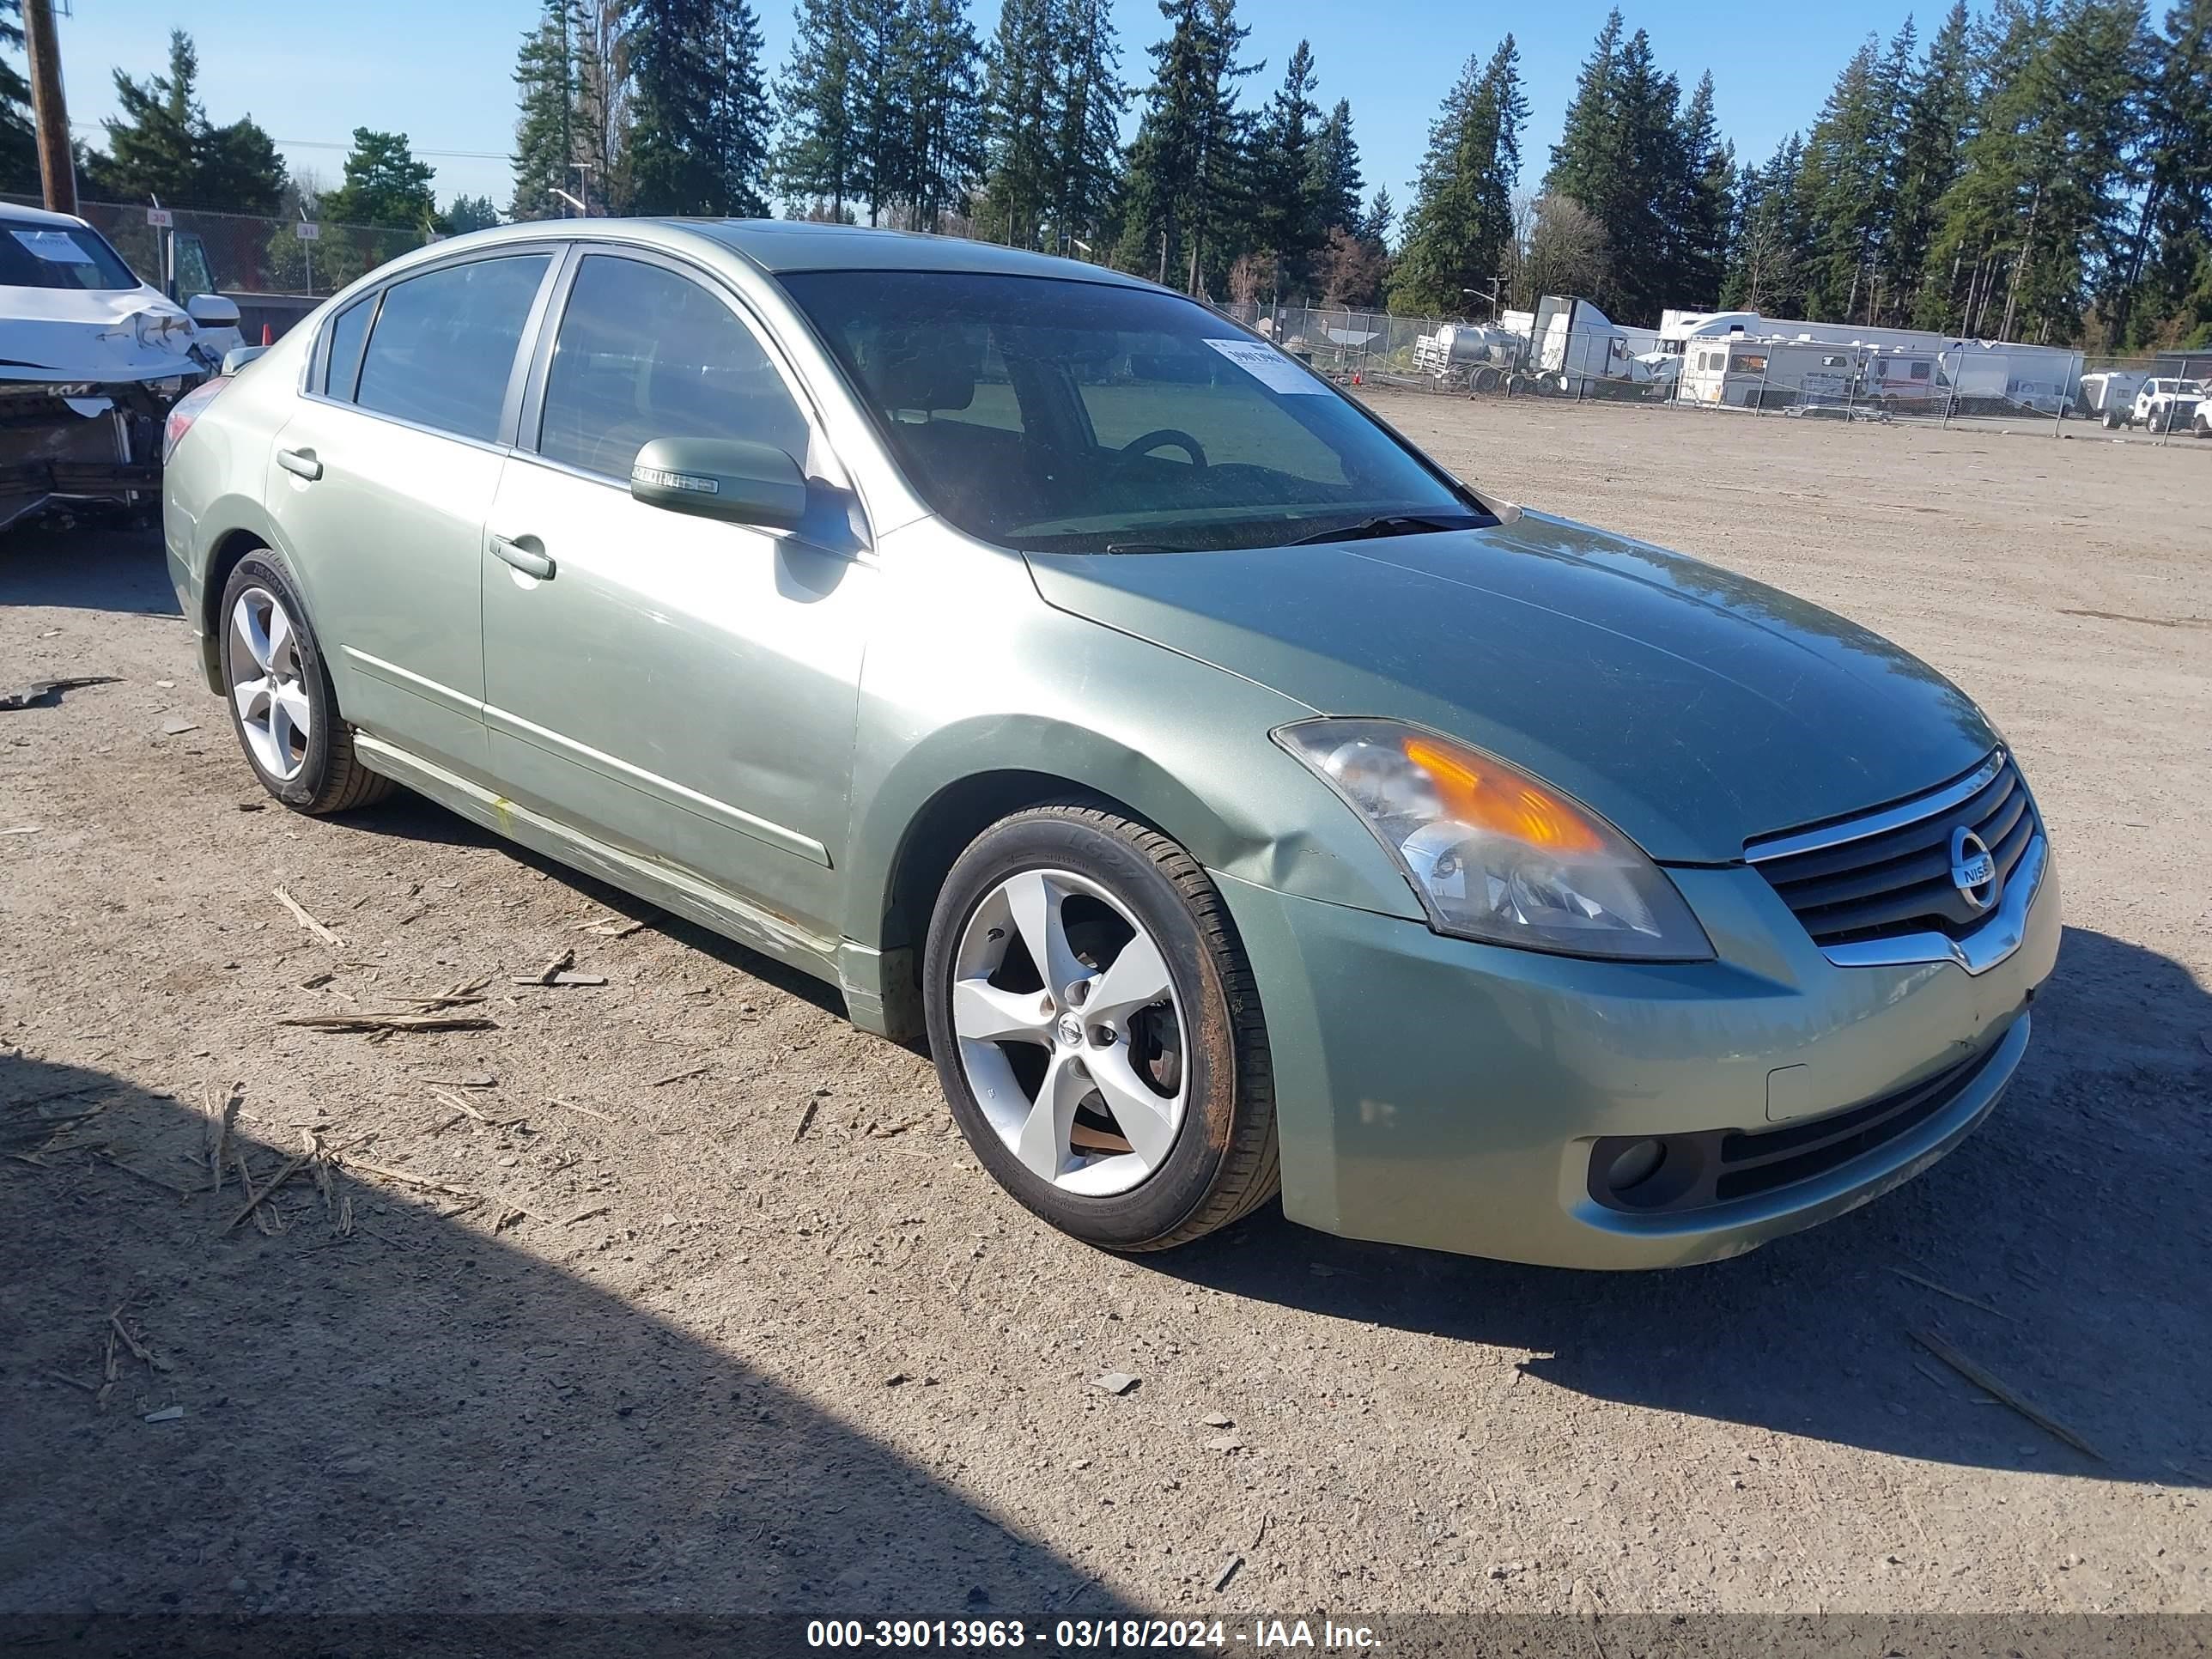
444 344
348 334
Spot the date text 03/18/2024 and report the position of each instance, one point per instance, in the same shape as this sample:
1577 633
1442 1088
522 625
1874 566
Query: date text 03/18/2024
1107 1635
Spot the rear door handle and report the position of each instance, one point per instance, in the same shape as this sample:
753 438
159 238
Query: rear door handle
301 463
530 561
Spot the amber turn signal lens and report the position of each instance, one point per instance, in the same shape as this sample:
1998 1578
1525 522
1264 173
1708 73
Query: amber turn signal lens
1510 805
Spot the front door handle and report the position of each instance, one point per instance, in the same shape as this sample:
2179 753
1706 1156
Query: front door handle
530 561
301 463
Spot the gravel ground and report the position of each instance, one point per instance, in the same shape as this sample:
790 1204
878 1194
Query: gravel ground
740 1325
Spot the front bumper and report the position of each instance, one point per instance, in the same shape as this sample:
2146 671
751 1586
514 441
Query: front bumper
1438 1092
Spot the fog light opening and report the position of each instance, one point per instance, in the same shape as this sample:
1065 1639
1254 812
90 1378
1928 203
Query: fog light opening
1634 1165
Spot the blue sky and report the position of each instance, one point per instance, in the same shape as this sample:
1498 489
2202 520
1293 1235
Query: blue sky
439 70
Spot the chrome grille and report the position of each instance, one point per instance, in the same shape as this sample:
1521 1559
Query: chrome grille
1881 874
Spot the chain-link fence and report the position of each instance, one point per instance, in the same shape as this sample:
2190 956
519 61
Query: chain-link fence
1564 351
239 254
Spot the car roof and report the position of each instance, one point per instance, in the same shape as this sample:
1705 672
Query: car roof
15 213
787 245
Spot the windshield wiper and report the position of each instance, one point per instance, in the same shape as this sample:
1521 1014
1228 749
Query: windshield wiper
1143 547
1391 523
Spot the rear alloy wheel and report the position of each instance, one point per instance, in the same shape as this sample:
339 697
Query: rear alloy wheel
281 705
1095 1030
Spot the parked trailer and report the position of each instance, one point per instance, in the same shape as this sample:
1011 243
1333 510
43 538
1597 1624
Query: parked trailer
1471 355
1740 373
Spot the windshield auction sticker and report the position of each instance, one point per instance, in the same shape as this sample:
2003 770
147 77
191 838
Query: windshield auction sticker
1269 365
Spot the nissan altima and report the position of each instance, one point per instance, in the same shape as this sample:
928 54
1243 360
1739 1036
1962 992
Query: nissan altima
1235 801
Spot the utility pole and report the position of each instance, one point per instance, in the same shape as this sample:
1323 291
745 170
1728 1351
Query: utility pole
57 164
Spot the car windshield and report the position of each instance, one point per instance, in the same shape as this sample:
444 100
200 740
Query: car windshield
60 256
1055 414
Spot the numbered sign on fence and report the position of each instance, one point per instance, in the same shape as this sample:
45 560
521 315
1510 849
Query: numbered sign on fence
160 218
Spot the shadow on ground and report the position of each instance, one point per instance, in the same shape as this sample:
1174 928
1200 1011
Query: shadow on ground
2076 1212
415 1417
101 561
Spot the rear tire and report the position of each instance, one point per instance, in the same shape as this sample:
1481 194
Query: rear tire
282 708
1100 891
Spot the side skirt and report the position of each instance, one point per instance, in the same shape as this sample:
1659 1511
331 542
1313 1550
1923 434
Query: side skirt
675 890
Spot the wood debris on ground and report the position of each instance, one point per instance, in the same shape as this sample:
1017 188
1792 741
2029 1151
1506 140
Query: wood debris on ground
299 914
1927 1283
389 1024
805 1122
609 927
402 1178
588 1111
678 1076
1990 1383
461 1104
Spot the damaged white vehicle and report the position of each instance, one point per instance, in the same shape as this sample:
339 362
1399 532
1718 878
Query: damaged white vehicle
91 359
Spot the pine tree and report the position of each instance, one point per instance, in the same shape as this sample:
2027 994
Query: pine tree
385 185
1846 186
2023 234
1022 97
1621 155
881 37
1462 214
1704 212
163 145
1185 206
1086 153
2164 294
937 99
1583 161
544 77
699 139
1931 123
738 119
1380 219
1287 220
670 43
817 156
467 213
1336 185
1767 261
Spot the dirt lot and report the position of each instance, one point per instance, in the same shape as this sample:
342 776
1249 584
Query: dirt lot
678 1355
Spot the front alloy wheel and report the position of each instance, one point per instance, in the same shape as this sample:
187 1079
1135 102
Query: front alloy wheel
1070 1035
1096 1029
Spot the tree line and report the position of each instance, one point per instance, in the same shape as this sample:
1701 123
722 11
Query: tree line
2041 170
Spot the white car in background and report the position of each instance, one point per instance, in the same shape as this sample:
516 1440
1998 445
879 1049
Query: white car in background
91 358
2165 404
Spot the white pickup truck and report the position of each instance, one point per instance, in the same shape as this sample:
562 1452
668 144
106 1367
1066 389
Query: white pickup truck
2164 404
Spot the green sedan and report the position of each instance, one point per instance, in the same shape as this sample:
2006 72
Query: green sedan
1236 801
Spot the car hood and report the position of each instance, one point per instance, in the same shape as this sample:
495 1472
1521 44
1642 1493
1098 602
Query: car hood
1693 708
100 335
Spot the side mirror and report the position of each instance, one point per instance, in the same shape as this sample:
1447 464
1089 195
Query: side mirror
212 310
724 478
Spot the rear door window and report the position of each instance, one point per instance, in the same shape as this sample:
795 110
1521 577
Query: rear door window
444 344
644 353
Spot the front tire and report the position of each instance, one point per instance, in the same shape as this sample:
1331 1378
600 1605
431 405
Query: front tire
281 705
1097 1032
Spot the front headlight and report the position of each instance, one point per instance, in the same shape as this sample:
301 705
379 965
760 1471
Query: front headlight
1493 854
